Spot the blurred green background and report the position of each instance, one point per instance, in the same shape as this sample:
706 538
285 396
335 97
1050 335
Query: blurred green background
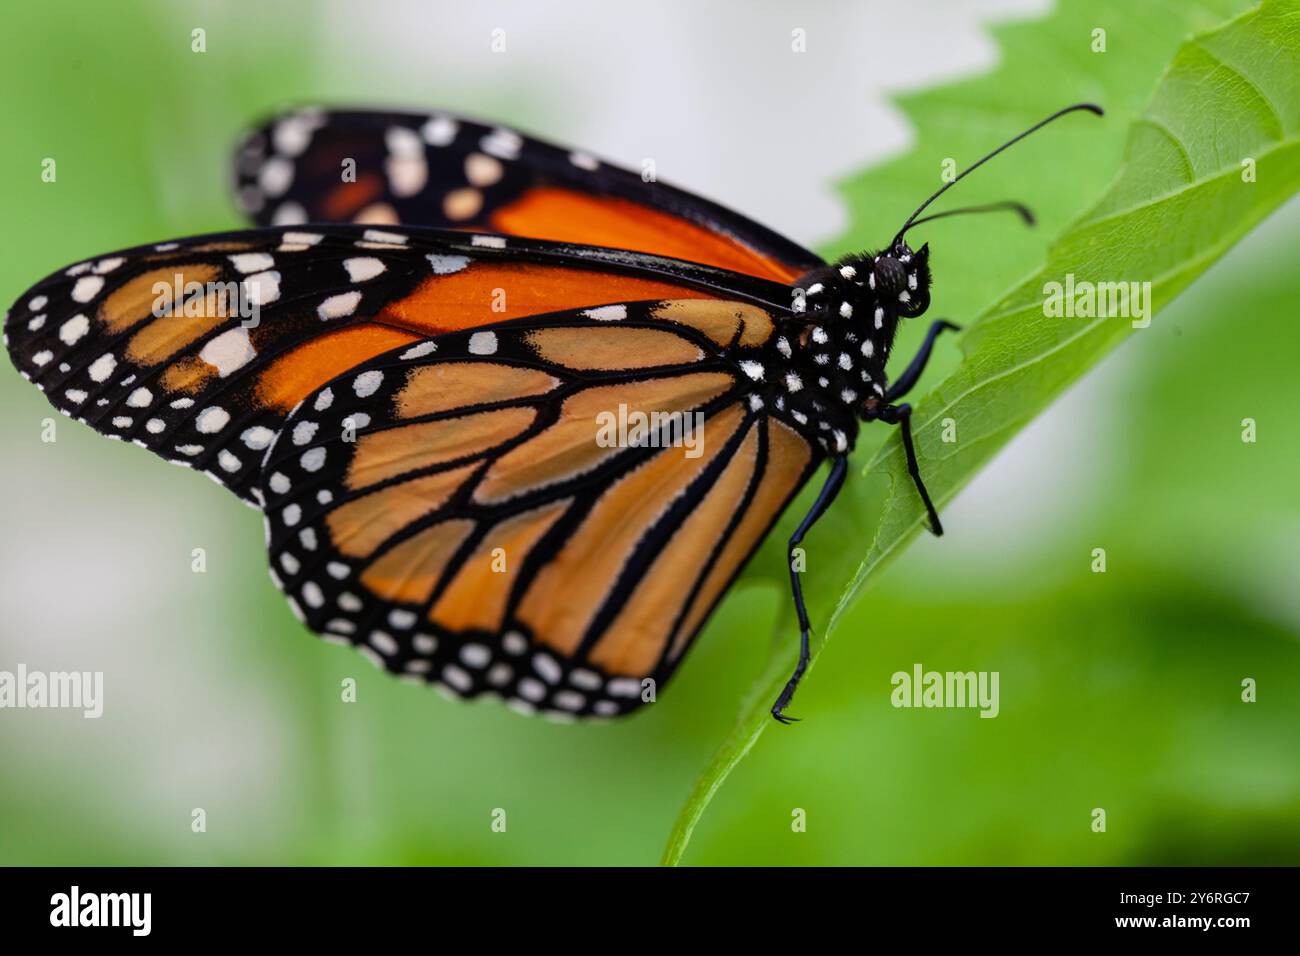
1118 690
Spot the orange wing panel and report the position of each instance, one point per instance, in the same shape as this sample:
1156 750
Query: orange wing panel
350 198
487 292
296 374
564 215
480 294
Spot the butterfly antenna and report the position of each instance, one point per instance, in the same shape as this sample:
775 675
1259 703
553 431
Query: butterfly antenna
911 220
1009 205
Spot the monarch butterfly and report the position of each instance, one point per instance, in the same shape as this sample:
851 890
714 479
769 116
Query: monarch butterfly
408 387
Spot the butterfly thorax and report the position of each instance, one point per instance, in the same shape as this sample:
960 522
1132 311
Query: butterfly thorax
836 343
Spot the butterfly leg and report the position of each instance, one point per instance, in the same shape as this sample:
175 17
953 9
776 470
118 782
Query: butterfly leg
918 363
830 488
901 415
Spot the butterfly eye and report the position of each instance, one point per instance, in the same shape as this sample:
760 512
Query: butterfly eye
891 275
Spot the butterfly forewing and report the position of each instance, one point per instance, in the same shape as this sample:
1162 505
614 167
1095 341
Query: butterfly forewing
466 509
197 349
438 169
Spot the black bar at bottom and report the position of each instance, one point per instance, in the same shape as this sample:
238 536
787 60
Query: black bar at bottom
214 905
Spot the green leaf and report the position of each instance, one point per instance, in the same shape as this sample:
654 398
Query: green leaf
1181 198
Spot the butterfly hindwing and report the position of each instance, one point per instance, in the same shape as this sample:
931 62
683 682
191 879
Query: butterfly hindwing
477 509
198 349
438 169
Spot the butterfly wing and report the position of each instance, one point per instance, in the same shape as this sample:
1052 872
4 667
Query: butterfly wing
444 170
467 510
198 349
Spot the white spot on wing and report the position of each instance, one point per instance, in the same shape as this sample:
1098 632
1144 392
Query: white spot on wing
257 437
502 143
303 432
446 265
367 383
291 135
407 175
403 142
311 592
252 261
212 420
338 306
483 343
482 170
531 688
440 131
263 288
475 655
607 313
87 288
140 398
102 367
72 331
584 161
401 618
623 687
382 236
302 238
362 268
276 176
383 642
228 352
419 351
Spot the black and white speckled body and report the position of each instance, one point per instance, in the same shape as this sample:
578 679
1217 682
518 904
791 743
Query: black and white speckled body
834 349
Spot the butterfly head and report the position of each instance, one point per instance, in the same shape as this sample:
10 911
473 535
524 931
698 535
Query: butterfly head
861 298
844 319
895 279
867 292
